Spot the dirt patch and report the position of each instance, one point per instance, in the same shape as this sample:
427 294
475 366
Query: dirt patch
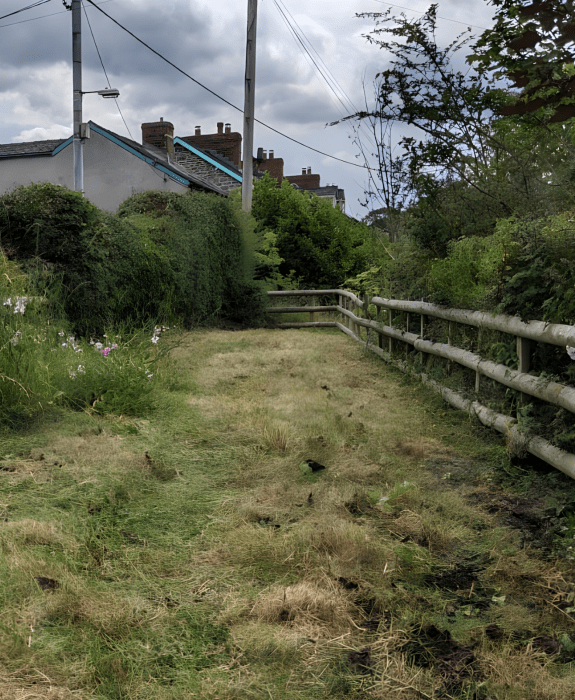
459 577
430 647
527 515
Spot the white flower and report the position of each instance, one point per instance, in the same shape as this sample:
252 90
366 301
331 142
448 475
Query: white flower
73 375
570 352
155 339
61 334
91 341
98 346
64 345
81 369
8 302
150 375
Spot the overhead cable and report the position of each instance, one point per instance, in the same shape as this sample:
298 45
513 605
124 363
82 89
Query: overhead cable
104 69
23 9
223 99
32 19
301 39
421 12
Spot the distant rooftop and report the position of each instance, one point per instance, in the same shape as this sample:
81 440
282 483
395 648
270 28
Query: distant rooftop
29 148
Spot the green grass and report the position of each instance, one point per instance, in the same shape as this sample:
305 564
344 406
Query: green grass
195 560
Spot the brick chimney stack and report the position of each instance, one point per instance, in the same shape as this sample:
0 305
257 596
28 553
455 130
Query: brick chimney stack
224 141
159 134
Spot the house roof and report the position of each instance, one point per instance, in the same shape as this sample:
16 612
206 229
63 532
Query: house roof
152 155
328 191
29 148
213 157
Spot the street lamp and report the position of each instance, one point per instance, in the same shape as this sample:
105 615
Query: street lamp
81 130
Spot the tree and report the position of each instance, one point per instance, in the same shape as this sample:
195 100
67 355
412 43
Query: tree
532 45
456 140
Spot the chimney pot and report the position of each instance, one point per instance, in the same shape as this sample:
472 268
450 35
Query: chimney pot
309 171
220 127
161 119
228 128
271 154
198 130
265 155
303 171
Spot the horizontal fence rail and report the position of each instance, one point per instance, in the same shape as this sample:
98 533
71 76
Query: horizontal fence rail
520 380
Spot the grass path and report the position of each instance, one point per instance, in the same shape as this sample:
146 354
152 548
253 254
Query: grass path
188 555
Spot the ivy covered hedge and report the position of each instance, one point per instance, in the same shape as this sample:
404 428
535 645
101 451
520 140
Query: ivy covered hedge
163 256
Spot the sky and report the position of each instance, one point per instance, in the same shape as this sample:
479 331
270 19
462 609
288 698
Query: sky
206 38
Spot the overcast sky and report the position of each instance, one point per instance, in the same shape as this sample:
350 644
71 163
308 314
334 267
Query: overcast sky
206 38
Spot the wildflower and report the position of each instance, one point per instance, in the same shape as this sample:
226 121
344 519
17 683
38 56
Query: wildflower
73 375
113 346
64 345
98 346
155 339
81 369
570 352
91 341
19 304
105 351
16 338
61 334
150 376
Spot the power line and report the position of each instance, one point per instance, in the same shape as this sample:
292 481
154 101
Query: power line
300 36
420 12
104 69
32 19
223 99
28 7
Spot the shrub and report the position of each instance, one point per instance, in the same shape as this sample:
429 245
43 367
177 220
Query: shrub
164 256
201 237
318 245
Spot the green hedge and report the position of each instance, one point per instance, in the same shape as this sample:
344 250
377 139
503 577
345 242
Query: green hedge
164 256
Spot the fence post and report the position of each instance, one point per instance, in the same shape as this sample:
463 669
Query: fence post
366 315
421 333
312 313
390 312
378 321
341 316
524 361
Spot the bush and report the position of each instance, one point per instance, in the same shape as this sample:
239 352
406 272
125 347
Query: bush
201 238
318 245
164 256
42 364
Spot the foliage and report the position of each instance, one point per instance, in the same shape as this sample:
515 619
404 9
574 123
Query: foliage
164 256
42 365
318 244
201 237
455 148
540 279
532 46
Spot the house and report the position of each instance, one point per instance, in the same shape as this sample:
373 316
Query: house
214 157
307 181
114 166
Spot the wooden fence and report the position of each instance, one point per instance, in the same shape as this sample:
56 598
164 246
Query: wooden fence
349 309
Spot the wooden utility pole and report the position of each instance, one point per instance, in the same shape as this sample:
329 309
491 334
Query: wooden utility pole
248 148
77 88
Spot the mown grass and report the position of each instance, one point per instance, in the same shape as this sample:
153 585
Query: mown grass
184 554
